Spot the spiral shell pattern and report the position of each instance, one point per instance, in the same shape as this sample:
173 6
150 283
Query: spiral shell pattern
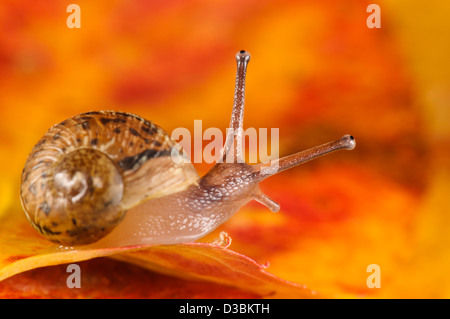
86 172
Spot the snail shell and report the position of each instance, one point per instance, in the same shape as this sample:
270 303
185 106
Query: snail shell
86 172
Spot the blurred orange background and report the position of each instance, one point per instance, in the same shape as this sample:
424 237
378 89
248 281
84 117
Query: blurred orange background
317 72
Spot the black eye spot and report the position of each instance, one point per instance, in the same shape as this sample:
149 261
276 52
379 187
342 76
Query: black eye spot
242 51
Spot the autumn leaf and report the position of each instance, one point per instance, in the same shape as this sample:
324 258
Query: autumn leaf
97 282
208 262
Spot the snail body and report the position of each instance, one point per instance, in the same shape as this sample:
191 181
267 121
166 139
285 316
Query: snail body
113 179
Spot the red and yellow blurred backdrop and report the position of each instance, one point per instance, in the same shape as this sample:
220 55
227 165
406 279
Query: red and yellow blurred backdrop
317 72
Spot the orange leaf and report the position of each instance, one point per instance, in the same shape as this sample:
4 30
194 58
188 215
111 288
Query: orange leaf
107 278
23 249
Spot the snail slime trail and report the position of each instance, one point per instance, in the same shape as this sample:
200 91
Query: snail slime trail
110 179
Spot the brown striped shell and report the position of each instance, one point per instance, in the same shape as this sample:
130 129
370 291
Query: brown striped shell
86 172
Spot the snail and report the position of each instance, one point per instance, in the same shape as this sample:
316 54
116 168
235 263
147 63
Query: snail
109 179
